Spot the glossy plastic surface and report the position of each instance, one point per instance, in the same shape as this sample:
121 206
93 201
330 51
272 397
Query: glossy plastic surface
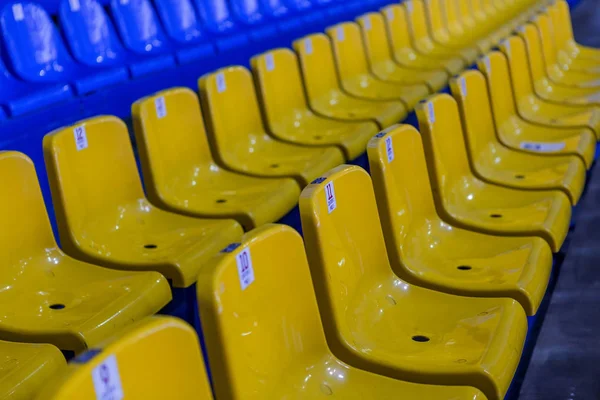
238 136
535 109
380 323
400 35
498 164
181 175
50 297
353 69
517 133
156 358
103 215
426 251
381 63
286 110
180 20
26 368
265 340
324 93
565 39
464 199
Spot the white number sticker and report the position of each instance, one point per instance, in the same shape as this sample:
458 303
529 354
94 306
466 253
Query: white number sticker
431 112
81 141
330 197
507 46
107 381
462 84
340 33
74 4
542 147
308 47
389 149
367 23
390 14
270 61
221 84
18 13
245 270
161 107
409 7
488 67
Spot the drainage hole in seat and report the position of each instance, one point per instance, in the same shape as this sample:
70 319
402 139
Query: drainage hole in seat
57 306
420 339
520 176
150 246
496 215
274 165
464 267
221 201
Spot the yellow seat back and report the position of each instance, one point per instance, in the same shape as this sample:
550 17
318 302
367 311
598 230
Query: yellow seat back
156 358
495 69
377 44
564 20
397 26
348 49
225 93
546 36
436 16
453 17
401 184
561 29
537 64
92 171
344 243
518 65
259 313
317 65
279 84
417 20
171 139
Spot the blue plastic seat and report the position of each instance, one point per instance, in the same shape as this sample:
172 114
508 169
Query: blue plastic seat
37 54
142 33
288 19
219 22
182 24
251 15
310 14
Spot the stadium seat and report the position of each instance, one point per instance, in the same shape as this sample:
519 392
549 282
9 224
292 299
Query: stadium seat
217 19
36 52
564 35
103 215
27 367
474 22
494 162
251 15
404 53
461 25
285 356
50 297
544 87
381 63
536 109
288 116
242 143
519 134
464 199
377 322
156 358
181 175
426 251
324 93
353 70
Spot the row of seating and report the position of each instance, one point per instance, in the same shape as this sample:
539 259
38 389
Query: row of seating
459 223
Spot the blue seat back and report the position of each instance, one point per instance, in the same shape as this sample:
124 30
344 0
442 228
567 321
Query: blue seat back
139 26
248 12
34 47
180 20
275 8
90 33
299 5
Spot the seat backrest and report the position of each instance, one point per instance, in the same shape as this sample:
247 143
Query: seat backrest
179 19
402 189
375 38
158 358
27 228
396 22
471 94
225 93
533 44
465 11
91 170
518 64
348 49
436 16
453 17
259 313
561 29
443 141
138 25
494 67
299 5
275 8
344 242
90 33
34 46
247 11
216 16
279 84
417 20
317 65
170 137
564 14
546 35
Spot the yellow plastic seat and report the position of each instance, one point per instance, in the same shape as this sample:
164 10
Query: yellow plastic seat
404 52
324 93
536 109
103 215
498 164
264 335
460 23
48 296
517 133
380 323
426 251
466 200
156 358
381 62
181 175
355 77
288 116
564 38
243 144
26 368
